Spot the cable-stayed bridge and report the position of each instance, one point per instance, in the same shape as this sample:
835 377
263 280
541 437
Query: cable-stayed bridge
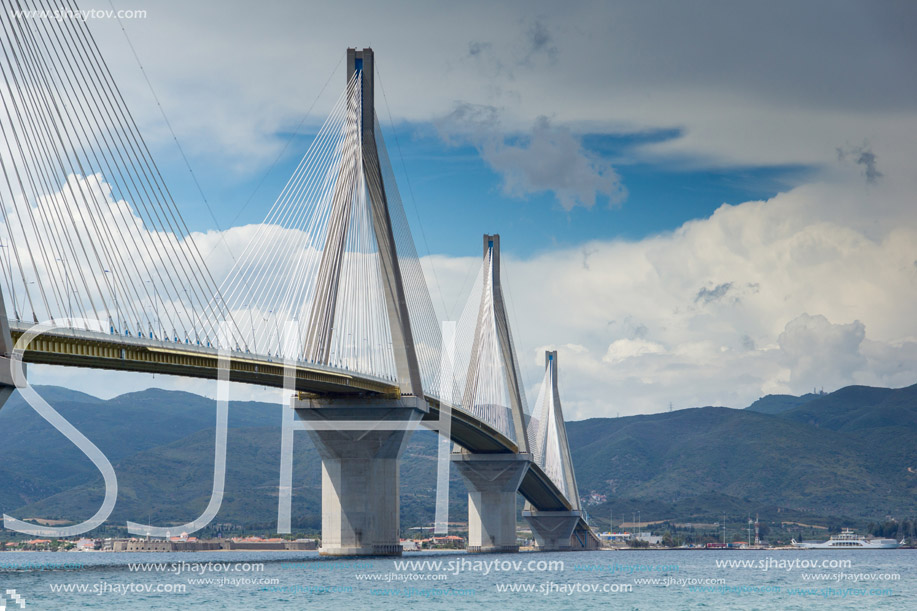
328 301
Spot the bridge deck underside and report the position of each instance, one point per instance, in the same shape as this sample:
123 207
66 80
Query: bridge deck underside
479 438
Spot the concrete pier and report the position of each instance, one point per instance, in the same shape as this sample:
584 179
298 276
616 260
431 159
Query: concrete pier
493 480
552 529
7 383
360 441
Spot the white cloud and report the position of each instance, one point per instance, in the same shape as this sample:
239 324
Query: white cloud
821 353
813 288
623 349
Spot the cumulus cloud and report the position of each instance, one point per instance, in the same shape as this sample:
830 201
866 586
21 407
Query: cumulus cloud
821 353
546 158
812 288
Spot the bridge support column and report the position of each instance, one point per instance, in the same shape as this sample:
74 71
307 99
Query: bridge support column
553 530
493 480
7 384
360 441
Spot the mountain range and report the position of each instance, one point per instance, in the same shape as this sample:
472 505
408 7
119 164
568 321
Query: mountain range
847 455
851 453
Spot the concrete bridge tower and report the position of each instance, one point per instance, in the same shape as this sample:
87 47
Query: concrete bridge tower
553 530
494 479
361 439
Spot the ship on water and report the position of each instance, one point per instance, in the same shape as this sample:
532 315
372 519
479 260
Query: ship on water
848 539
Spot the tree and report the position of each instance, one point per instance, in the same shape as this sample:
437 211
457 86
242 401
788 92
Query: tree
670 540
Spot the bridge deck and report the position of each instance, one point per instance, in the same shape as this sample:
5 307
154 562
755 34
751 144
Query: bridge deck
98 350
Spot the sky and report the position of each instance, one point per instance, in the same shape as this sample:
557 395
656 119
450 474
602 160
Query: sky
699 203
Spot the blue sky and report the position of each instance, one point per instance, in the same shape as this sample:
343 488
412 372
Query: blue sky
453 195
699 203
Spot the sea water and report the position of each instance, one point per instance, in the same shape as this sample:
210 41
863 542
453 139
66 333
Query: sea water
644 580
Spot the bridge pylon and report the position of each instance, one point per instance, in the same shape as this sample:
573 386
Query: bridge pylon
360 169
554 530
493 479
360 438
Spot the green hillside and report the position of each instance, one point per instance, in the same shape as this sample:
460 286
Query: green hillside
859 409
845 455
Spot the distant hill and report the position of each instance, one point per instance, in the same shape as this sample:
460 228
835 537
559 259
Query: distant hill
777 404
859 409
847 454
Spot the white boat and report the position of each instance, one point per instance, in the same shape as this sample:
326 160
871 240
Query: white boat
848 539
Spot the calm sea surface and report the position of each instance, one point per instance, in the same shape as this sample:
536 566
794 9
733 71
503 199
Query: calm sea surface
652 580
